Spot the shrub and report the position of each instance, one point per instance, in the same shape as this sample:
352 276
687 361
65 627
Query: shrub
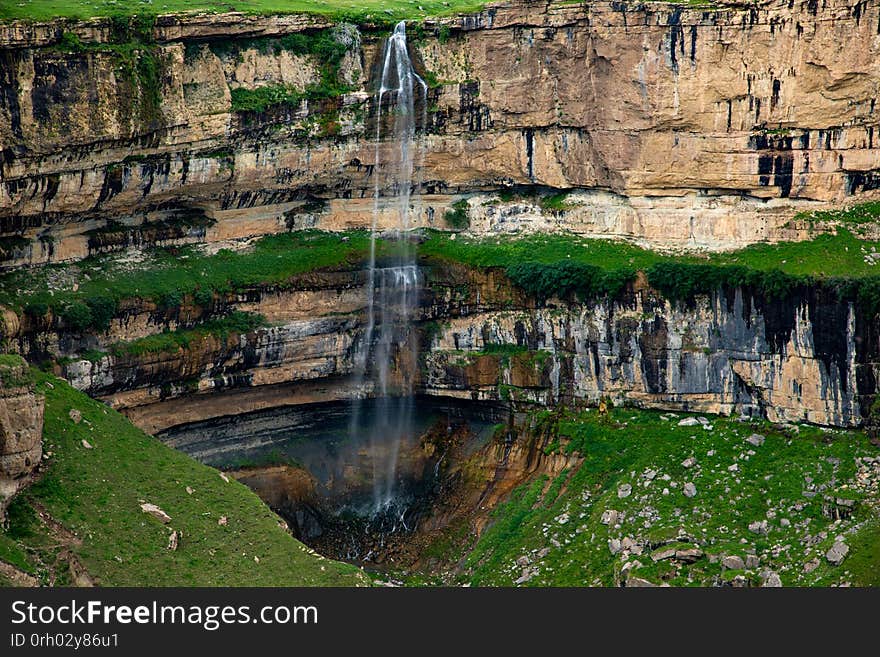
204 297
77 316
566 278
458 217
102 309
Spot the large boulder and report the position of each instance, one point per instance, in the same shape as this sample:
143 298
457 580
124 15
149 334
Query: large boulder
21 428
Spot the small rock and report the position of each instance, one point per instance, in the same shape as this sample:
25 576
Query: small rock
785 522
688 422
811 565
639 582
624 490
75 415
256 559
758 527
770 579
689 462
756 440
733 468
614 545
156 512
86 444
223 521
690 490
609 517
543 552
189 490
172 541
224 477
733 562
523 561
837 553
689 555
663 553
752 561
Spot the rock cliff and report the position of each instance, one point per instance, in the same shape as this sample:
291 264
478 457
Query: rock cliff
21 428
805 357
678 126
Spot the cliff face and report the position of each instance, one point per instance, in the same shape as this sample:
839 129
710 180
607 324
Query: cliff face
677 126
806 357
21 429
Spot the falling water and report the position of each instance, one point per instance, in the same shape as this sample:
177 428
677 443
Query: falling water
392 287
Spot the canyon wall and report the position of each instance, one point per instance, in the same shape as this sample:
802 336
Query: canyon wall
806 357
707 127
21 429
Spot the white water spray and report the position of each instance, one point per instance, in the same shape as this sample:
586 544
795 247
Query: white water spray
392 289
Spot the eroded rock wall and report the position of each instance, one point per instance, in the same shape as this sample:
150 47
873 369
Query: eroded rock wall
21 430
804 357
703 127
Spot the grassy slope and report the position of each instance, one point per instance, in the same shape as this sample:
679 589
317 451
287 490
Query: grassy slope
840 254
96 494
361 9
165 274
170 273
622 449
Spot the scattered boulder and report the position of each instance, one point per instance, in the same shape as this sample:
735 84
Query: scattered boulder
639 582
75 415
614 545
758 527
770 579
811 565
733 562
156 512
223 521
663 553
189 490
224 477
690 490
837 553
87 444
689 555
609 517
755 440
173 541
689 462
689 422
752 561
624 490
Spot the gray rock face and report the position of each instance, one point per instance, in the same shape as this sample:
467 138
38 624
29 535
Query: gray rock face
770 579
21 431
758 527
837 553
733 562
756 440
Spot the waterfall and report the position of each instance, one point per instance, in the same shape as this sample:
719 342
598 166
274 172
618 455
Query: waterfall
392 288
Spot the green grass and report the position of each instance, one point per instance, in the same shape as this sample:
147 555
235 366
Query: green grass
457 217
222 328
373 11
167 276
96 494
627 446
542 264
